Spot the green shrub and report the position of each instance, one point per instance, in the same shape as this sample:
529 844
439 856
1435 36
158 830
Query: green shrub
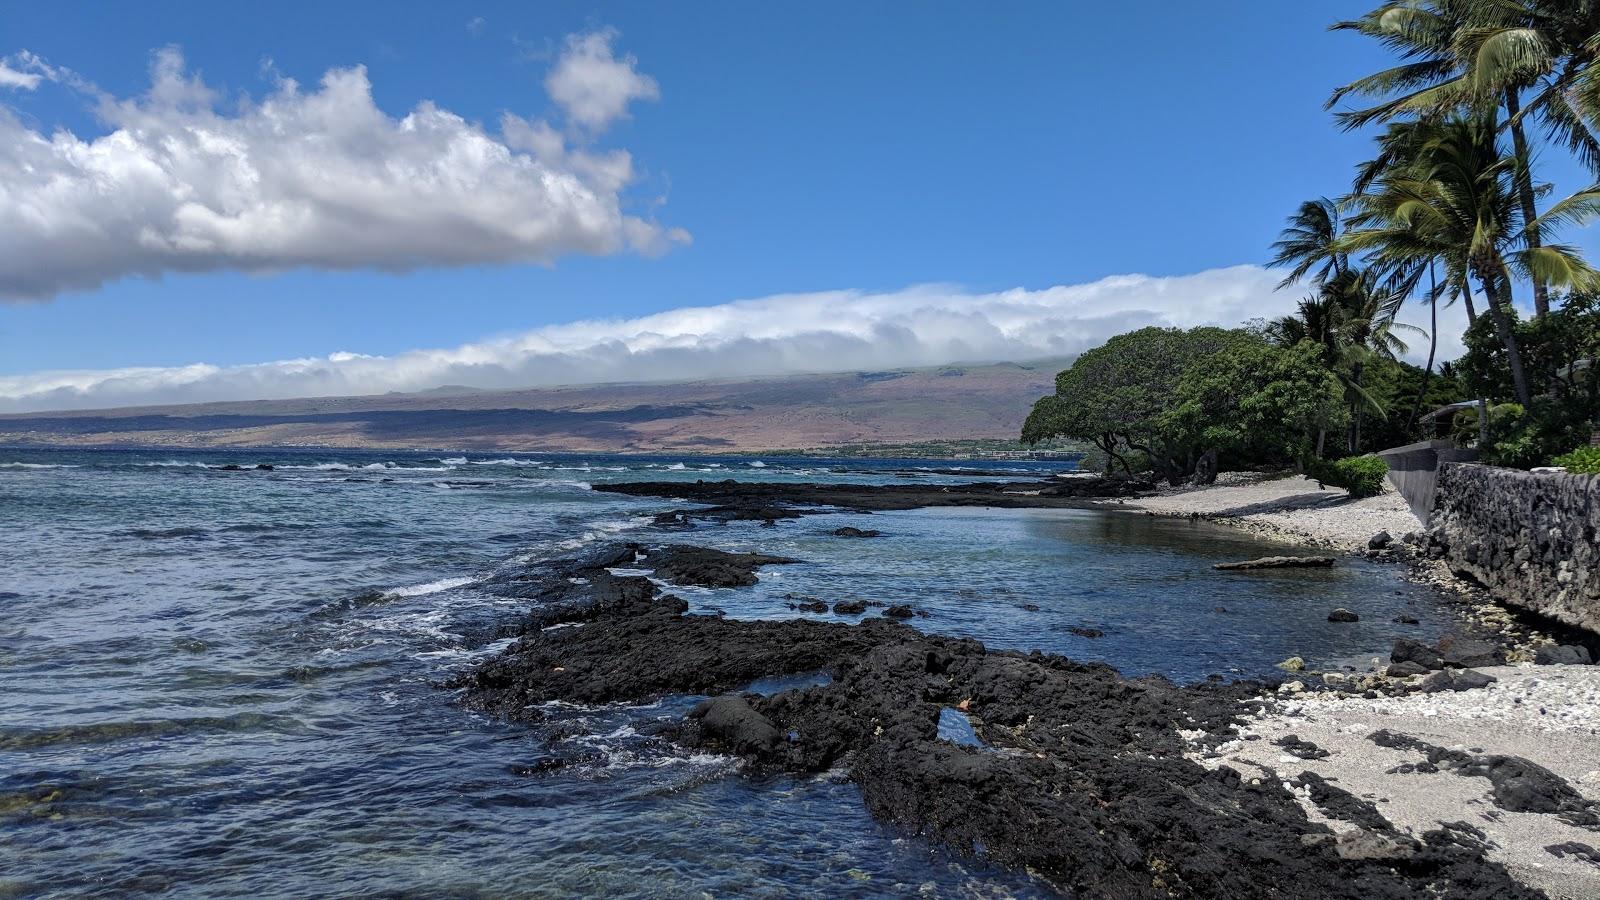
1361 476
1584 461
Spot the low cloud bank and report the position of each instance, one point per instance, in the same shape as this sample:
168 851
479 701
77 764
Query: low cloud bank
777 335
185 182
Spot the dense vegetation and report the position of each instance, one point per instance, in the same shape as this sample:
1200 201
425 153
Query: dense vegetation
1447 210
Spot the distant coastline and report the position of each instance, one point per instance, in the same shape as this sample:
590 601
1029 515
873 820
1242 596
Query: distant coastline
940 412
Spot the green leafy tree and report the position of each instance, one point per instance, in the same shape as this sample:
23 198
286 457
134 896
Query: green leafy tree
1560 350
1113 394
1256 403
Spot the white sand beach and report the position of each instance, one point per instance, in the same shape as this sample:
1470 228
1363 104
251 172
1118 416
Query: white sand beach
1549 715
1292 508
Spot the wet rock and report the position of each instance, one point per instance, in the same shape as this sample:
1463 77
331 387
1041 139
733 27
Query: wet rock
851 532
1380 541
674 518
1029 607
1405 619
1343 615
1467 653
768 500
812 606
899 611
1562 655
1080 631
265 467
1293 664
231 467
729 722
1279 562
850 607
1407 650
705 567
540 767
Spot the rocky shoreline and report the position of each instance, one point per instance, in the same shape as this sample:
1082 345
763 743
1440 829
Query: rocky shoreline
1100 785
1076 774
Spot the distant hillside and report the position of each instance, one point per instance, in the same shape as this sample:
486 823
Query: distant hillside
949 403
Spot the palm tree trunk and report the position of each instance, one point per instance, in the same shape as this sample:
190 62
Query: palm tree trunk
1502 327
1433 346
1519 141
1466 297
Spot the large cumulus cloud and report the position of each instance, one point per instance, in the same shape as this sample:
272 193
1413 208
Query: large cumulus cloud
309 177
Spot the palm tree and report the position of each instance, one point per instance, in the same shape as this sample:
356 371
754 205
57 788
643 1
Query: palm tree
1484 54
1310 240
1511 46
1405 248
1457 202
1351 319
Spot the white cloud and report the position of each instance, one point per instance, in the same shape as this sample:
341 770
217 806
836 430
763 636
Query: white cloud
475 25
789 333
23 71
318 178
592 85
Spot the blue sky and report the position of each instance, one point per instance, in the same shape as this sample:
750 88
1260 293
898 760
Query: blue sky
858 147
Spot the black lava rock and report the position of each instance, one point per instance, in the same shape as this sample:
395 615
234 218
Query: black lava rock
1467 653
1343 615
705 567
1565 654
1408 650
851 532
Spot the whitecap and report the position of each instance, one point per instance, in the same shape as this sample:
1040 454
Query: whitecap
756 464
27 465
432 587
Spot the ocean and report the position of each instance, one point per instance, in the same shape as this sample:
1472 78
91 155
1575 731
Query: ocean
225 681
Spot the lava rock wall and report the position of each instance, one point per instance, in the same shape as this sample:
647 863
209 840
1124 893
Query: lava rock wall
1530 539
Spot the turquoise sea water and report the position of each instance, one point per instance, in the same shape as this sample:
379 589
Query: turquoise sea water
219 682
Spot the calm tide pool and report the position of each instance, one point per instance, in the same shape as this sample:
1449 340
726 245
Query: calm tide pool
223 682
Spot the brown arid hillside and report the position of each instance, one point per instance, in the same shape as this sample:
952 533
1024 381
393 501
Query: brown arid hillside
949 403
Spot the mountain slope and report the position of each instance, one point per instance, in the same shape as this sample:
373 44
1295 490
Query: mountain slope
811 411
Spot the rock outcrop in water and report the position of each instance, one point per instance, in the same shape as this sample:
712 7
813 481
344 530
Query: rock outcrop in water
769 500
1079 774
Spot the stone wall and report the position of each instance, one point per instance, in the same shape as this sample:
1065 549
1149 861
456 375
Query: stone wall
1530 539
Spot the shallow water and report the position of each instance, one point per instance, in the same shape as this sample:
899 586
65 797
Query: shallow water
223 682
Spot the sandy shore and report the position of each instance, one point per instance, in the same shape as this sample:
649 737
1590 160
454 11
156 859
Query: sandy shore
1547 714
1293 509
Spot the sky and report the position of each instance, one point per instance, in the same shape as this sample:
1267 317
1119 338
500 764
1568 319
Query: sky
307 199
